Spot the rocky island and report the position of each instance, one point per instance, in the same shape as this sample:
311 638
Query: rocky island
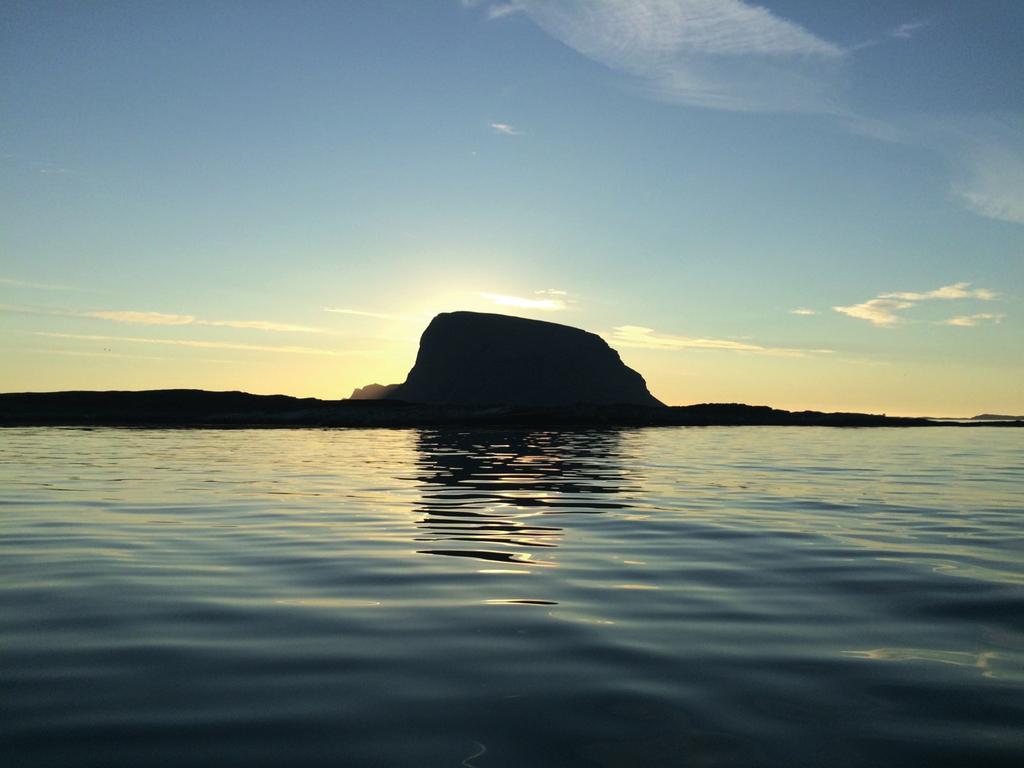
477 359
472 369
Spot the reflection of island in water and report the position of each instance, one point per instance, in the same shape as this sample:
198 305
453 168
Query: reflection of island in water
489 495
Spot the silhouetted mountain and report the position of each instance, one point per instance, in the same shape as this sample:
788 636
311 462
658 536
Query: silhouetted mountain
372 392
995 417
473 358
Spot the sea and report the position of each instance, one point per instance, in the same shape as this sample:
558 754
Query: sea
744 596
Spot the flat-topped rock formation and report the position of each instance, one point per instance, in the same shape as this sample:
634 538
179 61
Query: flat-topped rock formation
474 359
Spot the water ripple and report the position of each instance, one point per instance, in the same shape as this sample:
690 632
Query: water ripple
717 597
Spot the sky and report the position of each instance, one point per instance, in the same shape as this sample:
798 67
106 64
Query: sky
793 203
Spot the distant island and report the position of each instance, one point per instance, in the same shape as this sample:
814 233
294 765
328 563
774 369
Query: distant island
472 369
199 408
476 359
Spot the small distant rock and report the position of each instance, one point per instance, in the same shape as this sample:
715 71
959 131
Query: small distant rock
372 392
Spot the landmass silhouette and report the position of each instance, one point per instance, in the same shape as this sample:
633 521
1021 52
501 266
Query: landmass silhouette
473 358
472 369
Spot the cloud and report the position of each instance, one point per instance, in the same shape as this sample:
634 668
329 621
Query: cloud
501 10
877 311
884 310
954 291
133 317
993 182
736 55
986 159
547 302
718 54
105 353
901 32
907 30
496 10
357 312
37 286
803 311
972 320
506 129
200 344
262 325
639 337
138 318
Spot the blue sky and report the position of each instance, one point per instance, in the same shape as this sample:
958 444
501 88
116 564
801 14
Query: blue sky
795 203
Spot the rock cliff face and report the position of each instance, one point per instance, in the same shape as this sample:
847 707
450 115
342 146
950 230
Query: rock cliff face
472 358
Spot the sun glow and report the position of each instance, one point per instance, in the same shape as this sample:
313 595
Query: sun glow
545 304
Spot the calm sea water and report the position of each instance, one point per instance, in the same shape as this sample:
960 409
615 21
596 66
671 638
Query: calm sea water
660 597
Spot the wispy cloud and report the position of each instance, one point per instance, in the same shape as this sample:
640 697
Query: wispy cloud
197 344
505 129
161 318
495 10
548 301
262 325
886 308
900 33
954 291
877 311
501 10
737 55
104 353
37 286
907 30
134 317
639 337
992 182
718 54
985 155
137 318
972 320
357 312
803 311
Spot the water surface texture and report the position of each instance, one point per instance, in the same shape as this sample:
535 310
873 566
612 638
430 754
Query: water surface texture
660 597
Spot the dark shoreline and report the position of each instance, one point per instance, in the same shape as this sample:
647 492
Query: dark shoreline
185 408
